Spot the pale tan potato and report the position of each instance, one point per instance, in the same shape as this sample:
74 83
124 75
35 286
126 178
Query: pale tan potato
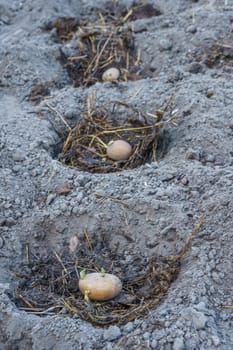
97 286
119 150
111 74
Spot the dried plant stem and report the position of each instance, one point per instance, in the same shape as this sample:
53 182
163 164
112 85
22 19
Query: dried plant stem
59 115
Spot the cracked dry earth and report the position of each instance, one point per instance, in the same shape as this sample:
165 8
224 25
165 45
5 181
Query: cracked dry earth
186 52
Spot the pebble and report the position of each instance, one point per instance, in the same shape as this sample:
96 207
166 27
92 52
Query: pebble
112 333
75 210
7 205
109 346
192 29
165 45
18 156
70 114
4 288
146 335
154 344
5 19
192 155
178 301
10 221
195 67
215 340
178 344
129 327
63 206
139 26
199 319
16 168
50 198
219 161
217 276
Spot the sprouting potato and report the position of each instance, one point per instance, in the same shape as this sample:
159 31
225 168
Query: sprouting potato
100 286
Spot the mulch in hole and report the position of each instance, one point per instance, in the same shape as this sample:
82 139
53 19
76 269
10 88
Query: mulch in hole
48 284
85 145
101 44
113 13
100 47
214 54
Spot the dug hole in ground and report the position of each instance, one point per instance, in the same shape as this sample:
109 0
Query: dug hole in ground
161 220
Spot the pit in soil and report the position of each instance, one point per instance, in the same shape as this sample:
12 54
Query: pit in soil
48 283
85 145
98 49
101 44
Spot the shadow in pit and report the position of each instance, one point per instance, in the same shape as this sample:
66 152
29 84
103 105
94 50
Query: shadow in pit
48 282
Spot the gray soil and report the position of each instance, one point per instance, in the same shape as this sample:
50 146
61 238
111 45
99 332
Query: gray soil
158 203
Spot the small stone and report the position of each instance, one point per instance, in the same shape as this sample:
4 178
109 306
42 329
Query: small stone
16 168
70 114
178 301
112 333
166 23
129 327
165 45
184 181
192 29
63 188
17 201
1 242
154 344
4 287
74 242
2 220
216 277
63 206
10 221
210 158
139 27
209 93
192 155
219 161
109 346
195 68
126 196
7 205
75 210
178 344
199 319
146 335
50 198
18 156
215 340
